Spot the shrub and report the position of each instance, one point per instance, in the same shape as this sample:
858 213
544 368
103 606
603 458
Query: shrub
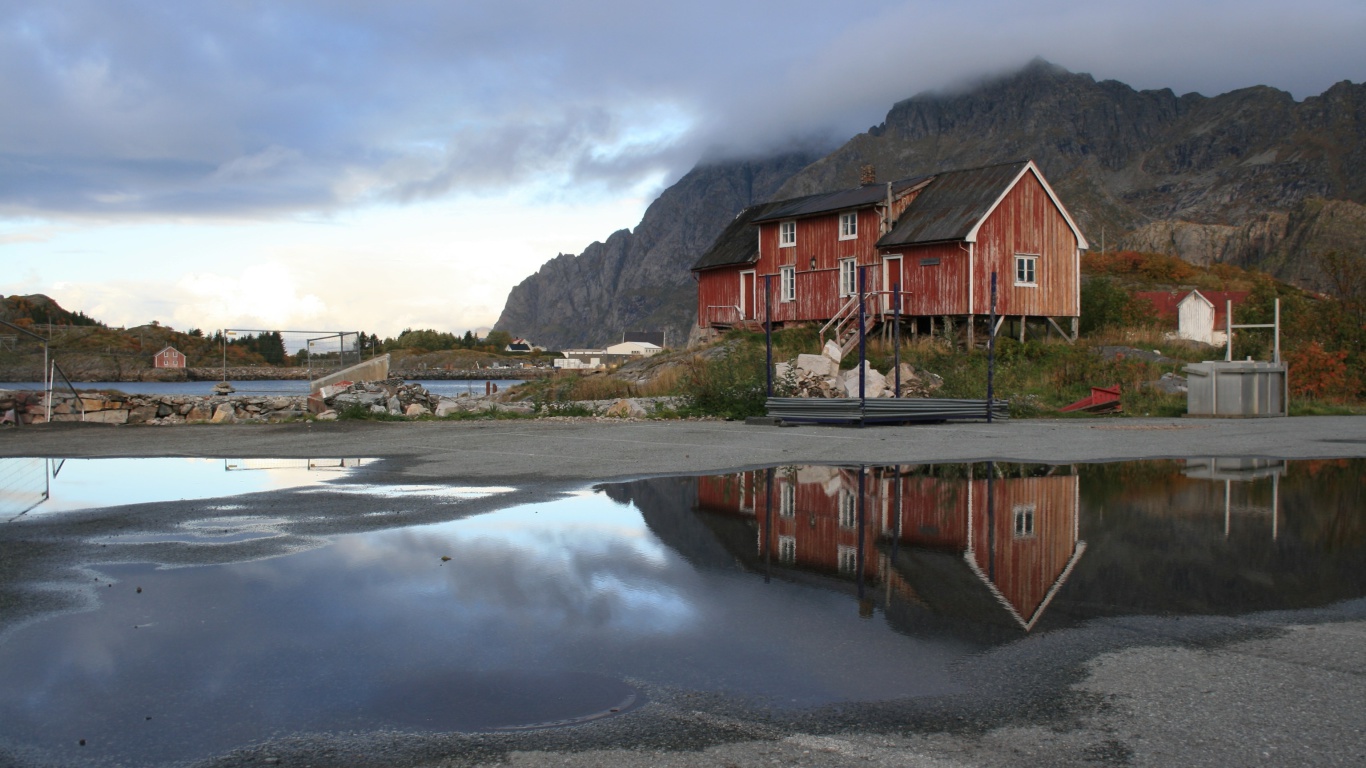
734 384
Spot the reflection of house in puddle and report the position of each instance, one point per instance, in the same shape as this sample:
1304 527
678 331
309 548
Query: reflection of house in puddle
986 543
25 484
1237 476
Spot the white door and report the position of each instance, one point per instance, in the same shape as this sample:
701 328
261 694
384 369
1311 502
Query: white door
748 306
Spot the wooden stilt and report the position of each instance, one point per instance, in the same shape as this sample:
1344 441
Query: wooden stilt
972 339
1022 328
1061 332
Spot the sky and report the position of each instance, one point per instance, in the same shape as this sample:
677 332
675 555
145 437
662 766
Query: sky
350 165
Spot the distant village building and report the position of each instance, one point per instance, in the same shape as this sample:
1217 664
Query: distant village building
656 338
169 357
1198 316
931 243
634 349
521 345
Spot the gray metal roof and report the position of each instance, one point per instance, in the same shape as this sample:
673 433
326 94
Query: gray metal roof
952 204
737 243
844 199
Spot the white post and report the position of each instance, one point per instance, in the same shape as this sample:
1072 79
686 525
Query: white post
1276 353
1228 331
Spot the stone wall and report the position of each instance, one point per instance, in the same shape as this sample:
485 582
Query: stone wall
28 407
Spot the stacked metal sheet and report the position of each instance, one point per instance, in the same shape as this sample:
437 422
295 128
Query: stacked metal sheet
851 410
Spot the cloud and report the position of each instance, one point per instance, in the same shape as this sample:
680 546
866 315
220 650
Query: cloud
149 109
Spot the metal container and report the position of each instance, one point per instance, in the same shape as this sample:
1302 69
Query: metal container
1238 389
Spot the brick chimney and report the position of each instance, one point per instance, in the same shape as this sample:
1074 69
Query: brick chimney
867 174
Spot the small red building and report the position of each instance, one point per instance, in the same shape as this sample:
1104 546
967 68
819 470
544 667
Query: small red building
169 357
932 241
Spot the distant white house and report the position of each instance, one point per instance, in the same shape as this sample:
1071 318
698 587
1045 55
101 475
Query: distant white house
1200 316
522 345
634 349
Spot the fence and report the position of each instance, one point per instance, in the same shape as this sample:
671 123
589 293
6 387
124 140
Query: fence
319 352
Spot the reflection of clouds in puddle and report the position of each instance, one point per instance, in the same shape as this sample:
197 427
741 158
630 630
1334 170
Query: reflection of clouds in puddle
80 484
188 537
449 492
570 563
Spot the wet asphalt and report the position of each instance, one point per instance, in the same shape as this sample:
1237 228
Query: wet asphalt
1281 688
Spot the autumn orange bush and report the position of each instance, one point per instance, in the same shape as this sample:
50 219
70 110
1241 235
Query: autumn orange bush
1318 374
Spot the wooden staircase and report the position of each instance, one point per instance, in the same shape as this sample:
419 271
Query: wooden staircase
844 326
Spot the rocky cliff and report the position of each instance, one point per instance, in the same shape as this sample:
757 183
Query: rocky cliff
1251 177
640 280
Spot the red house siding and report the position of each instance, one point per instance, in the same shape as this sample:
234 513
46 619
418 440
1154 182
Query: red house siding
1027 223
934 279
817 290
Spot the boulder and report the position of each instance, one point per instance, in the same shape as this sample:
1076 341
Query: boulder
627 408
224 414
199 412
105 417
414 410
874 383
446 407
327 416
832 350
817 365
141 414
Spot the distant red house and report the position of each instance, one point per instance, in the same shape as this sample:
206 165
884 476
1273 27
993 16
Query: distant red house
169 357
937 239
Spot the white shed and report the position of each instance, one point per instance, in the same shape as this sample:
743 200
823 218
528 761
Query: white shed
1195 318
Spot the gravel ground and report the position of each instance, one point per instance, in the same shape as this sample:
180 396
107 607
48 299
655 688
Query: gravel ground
1268 689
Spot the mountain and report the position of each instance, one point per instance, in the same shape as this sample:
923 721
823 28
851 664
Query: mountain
1251 177
639 281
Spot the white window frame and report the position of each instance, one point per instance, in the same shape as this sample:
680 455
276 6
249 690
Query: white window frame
787 549
787 234
1024 520
848 277
1027 270
787 500
787 283
847 558
848 510
849 225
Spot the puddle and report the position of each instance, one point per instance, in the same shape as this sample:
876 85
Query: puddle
42 486
796 587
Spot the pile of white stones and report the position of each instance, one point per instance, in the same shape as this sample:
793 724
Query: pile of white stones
820 376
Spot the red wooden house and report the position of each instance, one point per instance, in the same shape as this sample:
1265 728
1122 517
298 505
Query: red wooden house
169 357
933 242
